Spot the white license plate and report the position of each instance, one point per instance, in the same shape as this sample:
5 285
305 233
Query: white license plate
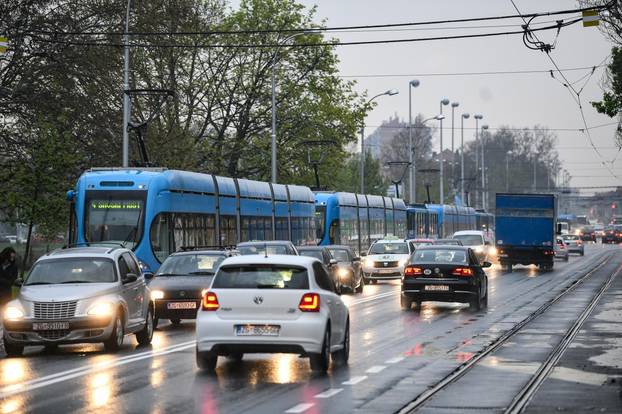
387 271
437 288
257 330
49 326
181 305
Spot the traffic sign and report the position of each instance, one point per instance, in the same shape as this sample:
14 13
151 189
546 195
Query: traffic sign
590 18
4 44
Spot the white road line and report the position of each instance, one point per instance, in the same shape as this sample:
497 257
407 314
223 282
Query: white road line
376 369
355 380
80 372
375 297
394 360
329 393
300 408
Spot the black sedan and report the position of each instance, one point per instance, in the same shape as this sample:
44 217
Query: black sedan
348 267
177 288
445 274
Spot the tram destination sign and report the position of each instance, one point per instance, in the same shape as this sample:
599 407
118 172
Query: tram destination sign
116 205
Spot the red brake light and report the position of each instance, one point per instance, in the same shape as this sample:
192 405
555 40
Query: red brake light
310 302
210 302
413 271
462 271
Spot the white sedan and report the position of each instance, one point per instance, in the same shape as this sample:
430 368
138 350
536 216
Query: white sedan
273 304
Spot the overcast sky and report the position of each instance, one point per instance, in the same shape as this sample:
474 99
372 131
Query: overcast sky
514 100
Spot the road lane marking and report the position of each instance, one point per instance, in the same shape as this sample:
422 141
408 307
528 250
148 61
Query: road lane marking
394 360
300 408
329 393
375 297
355 380
376 369
83 371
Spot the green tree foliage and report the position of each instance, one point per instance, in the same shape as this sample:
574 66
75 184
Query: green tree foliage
349 178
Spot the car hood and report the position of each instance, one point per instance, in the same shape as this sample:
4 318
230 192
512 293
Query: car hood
181 282
66 292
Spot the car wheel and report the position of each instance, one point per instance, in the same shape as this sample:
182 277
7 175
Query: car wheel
146 334
115 341
476 303
155 322
485 300
566 258
374 281
176 322
582 253
319 362
236 356
12 350
361 285
206 361
341 357
405 302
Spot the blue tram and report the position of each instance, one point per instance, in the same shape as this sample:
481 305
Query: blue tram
438 221
156 211
358 220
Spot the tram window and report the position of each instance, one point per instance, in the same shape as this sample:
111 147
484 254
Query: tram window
228 230
160 237
333 232
282 231
172 231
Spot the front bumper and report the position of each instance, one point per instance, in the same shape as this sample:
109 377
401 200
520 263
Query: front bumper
81 330
383 273
163 312
459 290
302 335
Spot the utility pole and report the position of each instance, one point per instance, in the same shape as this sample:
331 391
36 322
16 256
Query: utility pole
412 190
126 87
444 101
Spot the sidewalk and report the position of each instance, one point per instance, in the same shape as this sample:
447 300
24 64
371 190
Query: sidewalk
588 378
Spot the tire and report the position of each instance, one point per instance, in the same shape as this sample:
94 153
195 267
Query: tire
320 362
582 253
341 357
206 361
507 267
12 350
374 281
566 258
406 303
236 356
359 289
176 322
114 343
155 323
146 334
485 301
476 303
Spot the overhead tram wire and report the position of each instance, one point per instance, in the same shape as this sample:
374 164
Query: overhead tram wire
296 45
322 29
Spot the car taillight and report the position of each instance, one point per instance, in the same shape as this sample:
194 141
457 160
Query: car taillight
462 271
579 242
210 302
549 252
412 271
310 302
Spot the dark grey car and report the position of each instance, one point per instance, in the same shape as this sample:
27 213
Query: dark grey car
348 267
322 254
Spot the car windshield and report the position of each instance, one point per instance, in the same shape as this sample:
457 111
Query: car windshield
340 255
261 277
440 256
72 270
570 237
312 253
261 249
470 239
191 264
388 248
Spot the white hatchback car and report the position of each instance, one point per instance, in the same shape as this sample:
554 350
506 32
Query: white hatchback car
273 304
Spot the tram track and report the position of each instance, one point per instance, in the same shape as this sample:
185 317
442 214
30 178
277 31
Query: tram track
526 392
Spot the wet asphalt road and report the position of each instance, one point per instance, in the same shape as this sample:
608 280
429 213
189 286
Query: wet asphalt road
395 356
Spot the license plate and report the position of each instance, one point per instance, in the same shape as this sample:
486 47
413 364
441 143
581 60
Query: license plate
387 270
257 330
181 305
49 326
437 288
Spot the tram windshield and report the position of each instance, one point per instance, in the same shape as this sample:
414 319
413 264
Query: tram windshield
114 217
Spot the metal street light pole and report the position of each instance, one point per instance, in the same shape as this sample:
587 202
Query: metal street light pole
463 117
390 92
454 105
484 175
412 195
126 86
444 101
477 119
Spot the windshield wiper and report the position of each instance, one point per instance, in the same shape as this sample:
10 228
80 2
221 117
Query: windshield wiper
266 286
38 283
169 274
76 281
203 272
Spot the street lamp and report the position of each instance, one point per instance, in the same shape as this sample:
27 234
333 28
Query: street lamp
454 105
444 101
412 195
390 92
398 181
273 134
463 117
484 184
477 118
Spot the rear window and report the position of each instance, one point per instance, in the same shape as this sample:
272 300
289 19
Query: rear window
261 277
341 255
261 249
440 256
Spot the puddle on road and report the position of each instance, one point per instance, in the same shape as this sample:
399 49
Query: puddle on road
612 357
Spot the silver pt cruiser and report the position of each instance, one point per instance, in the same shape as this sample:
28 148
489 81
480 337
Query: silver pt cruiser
78 295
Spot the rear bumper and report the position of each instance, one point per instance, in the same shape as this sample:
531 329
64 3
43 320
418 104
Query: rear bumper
302 335
525 256
459 290
81 330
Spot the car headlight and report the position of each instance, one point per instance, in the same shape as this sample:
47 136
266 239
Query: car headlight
479 249
157 294
369 263
12 313
493 251
403 262
342 272
100 309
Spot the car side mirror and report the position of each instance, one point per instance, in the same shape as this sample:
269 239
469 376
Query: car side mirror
130 277
486 264
18 282
148 275
332 262
363 254
356 259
